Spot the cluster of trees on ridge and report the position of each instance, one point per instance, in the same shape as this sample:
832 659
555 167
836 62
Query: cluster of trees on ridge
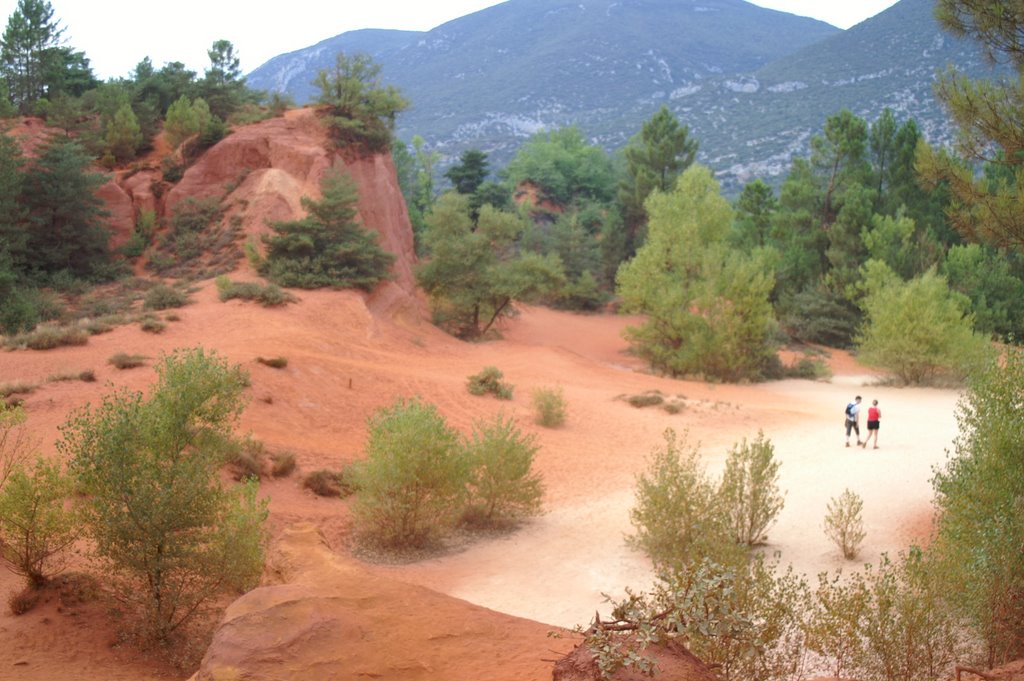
832 257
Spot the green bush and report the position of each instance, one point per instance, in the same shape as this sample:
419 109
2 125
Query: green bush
979 494
503 488
270 295
843 523
917 329
247 458
49 338
749 491
164 297
151 324
676 516
650 398
412 484
328 248
122 360
327 483
488 381
282 464
549 405
173 539
37 530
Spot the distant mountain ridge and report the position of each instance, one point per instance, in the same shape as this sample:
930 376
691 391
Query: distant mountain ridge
753 84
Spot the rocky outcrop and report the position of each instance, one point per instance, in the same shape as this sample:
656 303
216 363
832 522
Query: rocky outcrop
332 619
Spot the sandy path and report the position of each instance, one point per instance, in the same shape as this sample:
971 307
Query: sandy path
345 362
556 569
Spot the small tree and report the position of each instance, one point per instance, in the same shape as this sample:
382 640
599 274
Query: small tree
676 516
475 273
36 531
979 494
15 444
362 111
549 404
171 536
843 523
124 136
917 328
503 488
750 490
412 484
327 248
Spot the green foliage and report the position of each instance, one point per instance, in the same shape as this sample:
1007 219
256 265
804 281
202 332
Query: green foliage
676 514
549 406
980 498
818 315
716 320
223 86
269 295
325 483
327 248
917 329
66 227
469 173
123 136
886 622
151 324
996 293
164 297
563 167
655 157
15 444
745 620
30 49
488 381
49 337
843 523
172 536
123 360
503 488
749 490
475 274
412 483
36 530
362 110
983 208
198 242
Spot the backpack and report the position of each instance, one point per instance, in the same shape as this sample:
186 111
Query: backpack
849 410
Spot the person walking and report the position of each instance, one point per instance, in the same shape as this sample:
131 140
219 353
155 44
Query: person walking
853 419
874 417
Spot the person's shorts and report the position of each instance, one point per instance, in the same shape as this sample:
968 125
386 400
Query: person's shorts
851 426
873 425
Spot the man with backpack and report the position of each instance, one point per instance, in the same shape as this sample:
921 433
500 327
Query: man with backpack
853 419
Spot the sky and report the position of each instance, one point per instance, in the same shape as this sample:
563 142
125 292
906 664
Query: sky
183 30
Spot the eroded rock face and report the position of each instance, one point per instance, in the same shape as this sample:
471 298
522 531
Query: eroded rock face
333 619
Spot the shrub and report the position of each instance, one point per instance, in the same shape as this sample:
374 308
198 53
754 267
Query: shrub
413 481
328 248
270 295
22 601
843 523
171 536
152 325
17 388
489 381
327 483
979 495
273 362
247 458
282 464
676 514
648 399
50 337
549 403
164 297
37 531
919 328
502 485
122 360
749 490
15 444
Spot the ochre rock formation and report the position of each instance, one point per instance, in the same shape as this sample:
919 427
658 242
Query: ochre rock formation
332 619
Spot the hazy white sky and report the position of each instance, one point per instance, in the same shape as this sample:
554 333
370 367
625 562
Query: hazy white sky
116 35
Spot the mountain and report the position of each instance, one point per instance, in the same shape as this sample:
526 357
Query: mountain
753 84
